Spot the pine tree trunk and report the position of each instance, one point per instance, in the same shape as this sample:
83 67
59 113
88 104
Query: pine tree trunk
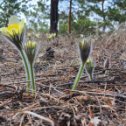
104 18
54 16
69 18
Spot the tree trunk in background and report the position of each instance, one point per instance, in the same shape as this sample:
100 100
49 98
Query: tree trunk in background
54 16
104 18
69 18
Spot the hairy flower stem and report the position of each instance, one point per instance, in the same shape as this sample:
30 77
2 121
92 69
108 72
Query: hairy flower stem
90 77
26 66
78 76
32 75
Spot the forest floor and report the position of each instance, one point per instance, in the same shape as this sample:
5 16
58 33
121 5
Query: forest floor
100 102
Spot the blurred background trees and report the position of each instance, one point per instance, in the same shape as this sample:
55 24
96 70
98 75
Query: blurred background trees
8 8
66 16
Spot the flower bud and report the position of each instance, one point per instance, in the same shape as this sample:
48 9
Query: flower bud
31 50
85 48
31 45
89 66
51 36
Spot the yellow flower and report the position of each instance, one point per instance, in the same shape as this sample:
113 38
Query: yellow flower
15 33
13 29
